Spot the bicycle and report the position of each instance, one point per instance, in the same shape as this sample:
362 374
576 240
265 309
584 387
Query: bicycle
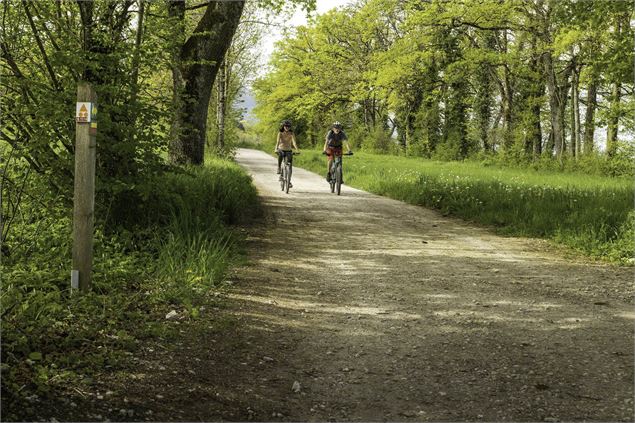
285 177
336 177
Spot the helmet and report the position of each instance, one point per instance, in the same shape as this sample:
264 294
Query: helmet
337 125
285 122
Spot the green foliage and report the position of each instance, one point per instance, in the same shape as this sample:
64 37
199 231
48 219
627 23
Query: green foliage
456 78
170 257
42 47
378 141
589 213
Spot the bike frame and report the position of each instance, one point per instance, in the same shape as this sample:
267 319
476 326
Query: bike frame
287 167
337 173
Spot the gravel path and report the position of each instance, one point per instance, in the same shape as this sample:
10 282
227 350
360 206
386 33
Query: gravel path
363 308
383 310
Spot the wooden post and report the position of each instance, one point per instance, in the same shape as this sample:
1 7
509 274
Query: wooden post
84 193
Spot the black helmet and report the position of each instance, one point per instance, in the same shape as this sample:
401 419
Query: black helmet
337 125
285 122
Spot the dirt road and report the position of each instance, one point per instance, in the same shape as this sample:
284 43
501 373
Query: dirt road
382 310
359 307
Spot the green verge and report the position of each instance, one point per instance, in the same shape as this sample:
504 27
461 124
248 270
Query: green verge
591 214
174 256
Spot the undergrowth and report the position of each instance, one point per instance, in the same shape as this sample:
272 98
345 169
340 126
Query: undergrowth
169 252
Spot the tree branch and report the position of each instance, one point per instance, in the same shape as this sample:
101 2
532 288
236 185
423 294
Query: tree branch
38 41
198 6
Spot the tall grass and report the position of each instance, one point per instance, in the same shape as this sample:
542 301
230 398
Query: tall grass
593 214
172 248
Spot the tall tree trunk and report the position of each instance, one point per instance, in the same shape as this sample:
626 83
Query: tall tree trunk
613 121
483 105
555 106
221 91
176 12
373 115
575 114
199 61
614 107
411 116
589 118
136 58
537 127
508 99
564 97
536 90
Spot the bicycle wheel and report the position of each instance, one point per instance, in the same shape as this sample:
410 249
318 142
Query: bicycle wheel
284 177
338 179
287 177
332 182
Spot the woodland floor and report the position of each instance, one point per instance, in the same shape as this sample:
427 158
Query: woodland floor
381 310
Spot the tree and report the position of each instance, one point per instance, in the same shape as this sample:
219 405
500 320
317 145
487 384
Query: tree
196 64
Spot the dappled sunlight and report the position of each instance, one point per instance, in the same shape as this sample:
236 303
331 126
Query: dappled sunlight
316 313
320 307
525 307
267 320
439 296
460 314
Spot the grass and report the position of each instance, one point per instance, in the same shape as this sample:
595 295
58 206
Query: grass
592 214
172 256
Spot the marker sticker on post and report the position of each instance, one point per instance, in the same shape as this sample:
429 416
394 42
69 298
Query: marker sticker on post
83 112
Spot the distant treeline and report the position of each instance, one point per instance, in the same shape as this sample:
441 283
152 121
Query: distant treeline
450 79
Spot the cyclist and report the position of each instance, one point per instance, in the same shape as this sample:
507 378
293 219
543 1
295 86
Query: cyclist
284 143
333 145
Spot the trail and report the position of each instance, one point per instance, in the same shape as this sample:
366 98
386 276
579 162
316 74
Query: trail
381 310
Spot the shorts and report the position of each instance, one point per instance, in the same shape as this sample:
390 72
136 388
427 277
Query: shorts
330 151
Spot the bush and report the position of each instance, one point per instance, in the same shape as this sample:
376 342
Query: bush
378 141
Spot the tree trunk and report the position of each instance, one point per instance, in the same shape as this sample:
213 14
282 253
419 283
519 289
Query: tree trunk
508 99
614 107
564 97
373 115
137 53
589 118
555 106
613 121
176 12
411 117
483 105
221 91
537 92
575 111
199 61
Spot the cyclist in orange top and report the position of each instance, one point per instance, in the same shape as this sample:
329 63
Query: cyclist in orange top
335 138
284 143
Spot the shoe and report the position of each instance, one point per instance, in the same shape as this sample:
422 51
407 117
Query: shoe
278 172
